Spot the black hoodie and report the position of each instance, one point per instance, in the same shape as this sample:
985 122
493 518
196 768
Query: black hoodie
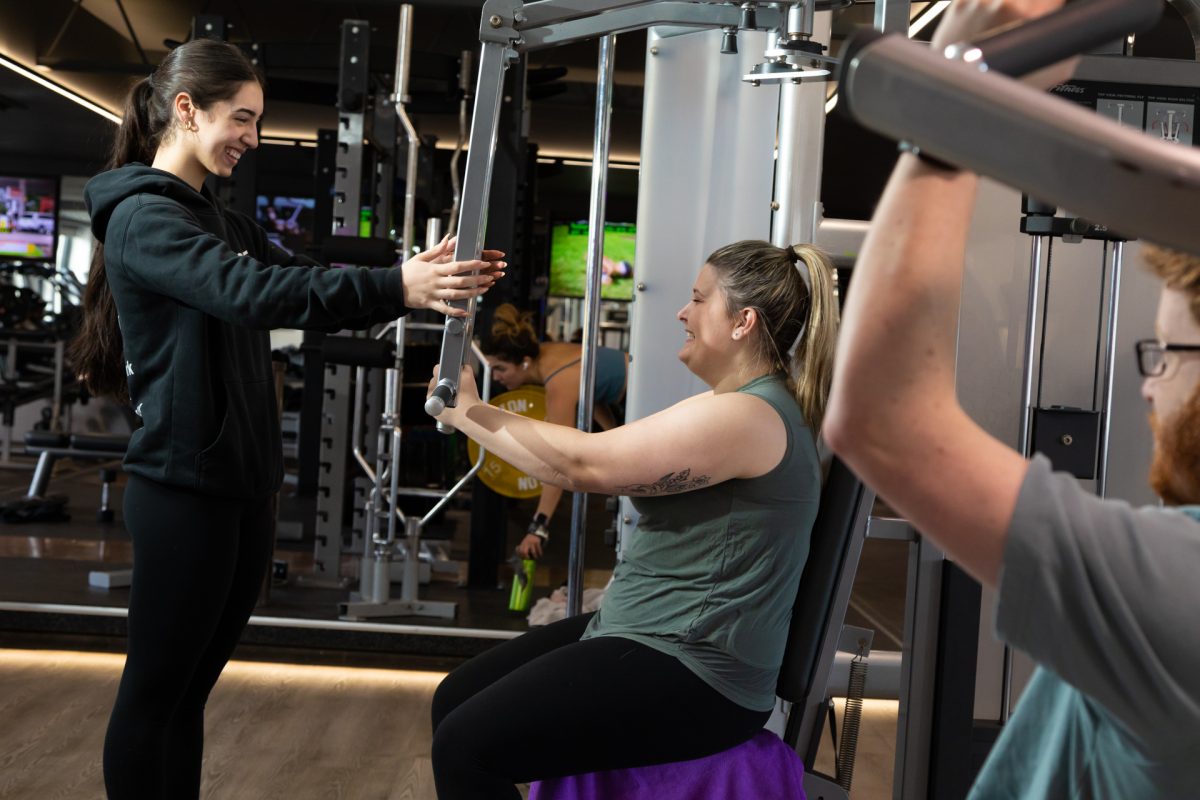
197 289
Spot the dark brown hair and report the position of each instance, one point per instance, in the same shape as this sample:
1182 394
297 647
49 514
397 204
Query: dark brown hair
209 72
512 337
798 312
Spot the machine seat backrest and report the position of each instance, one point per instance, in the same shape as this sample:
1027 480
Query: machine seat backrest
831 533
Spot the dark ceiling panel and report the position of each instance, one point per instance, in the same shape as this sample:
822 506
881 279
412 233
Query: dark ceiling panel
43 132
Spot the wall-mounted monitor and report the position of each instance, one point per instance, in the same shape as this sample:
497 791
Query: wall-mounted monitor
288 221
28 217
568 260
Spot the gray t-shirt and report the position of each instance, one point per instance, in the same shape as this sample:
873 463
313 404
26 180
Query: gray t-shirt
1105 598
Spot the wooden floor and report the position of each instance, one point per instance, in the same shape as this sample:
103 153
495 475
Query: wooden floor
273 731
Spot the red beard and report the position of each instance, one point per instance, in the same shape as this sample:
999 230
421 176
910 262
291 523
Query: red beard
1175 468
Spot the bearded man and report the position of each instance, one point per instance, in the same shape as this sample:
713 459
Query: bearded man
1103 596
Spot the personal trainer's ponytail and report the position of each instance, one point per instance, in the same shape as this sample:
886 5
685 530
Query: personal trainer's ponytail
97 353
208 71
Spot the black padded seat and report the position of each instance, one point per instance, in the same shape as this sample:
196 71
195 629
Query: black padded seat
99 443
52 446
39 440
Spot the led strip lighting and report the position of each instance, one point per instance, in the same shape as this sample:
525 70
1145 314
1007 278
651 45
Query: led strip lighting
59 90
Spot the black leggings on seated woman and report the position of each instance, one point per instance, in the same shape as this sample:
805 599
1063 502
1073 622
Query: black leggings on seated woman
546 705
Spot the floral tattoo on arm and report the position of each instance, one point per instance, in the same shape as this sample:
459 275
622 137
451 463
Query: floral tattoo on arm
671 483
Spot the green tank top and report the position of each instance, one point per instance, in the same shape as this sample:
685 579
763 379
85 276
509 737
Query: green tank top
710 576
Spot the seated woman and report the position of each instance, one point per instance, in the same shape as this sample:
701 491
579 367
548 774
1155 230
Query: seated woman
682 660
516 358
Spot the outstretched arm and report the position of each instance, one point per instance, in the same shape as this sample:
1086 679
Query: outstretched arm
696 443
894 416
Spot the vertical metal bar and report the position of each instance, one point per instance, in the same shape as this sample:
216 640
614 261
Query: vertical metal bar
1024 445
918 670
1110 365
60 350
892 16
464 85
400 98
356 436
800 143
395 375
347 177
1025 434
489 94
591 317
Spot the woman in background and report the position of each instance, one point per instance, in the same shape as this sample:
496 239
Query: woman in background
516 357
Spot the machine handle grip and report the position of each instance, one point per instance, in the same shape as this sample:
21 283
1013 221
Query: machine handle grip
1074 29
443 396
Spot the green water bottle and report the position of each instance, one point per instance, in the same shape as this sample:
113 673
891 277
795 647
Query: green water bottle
522 585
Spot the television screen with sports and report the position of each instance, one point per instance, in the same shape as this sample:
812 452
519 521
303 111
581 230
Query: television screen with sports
288 221
568 260
28 217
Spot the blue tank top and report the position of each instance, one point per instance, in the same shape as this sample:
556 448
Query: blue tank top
610 374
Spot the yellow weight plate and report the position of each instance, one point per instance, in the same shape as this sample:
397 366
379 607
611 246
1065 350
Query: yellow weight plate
497 474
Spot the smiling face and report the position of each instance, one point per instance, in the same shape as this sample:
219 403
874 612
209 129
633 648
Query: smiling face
708 327
227 129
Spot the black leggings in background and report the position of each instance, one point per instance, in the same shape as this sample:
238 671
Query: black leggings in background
198 565
546 705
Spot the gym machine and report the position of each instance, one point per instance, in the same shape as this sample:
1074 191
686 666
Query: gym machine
509 28
382 512
959 107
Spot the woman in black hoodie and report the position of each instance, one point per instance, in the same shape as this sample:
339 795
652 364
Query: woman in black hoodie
179 302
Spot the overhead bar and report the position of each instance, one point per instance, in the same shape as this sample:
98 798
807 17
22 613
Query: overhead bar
1069 156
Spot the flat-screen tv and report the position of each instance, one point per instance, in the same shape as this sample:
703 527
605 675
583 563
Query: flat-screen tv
288 221
568 260
28 217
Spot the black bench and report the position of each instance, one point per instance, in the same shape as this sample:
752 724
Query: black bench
49 447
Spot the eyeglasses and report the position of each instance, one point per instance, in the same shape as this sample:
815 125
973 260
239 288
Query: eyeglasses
1152 358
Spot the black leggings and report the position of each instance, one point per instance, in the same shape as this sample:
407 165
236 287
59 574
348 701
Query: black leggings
198 564
546 705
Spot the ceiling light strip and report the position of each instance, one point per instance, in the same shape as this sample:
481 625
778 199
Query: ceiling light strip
927 15
59 90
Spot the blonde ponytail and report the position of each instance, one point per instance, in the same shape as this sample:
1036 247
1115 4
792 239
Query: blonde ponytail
812 357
